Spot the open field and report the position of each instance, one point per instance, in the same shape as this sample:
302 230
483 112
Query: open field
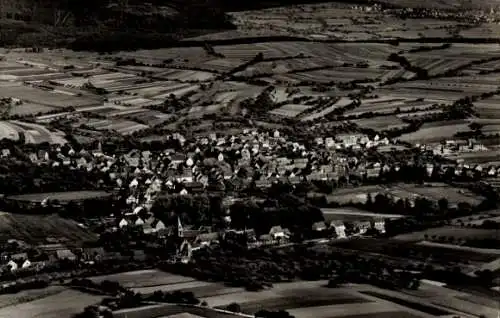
29 295
380 123
342 102
35 229
144 278
33 133
447 231
46 98
435 191
490 251
434 133
352 213
121 126
388 104
59 196
405 247
63 304
290 110
27 109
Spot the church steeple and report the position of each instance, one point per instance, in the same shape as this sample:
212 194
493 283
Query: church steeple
180 230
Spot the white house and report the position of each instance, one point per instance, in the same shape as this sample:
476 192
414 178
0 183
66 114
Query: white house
123 223
26 264
278 233
13 265
379 225
339 228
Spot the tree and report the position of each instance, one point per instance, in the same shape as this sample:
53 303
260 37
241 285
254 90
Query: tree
234 307
443 204
476 126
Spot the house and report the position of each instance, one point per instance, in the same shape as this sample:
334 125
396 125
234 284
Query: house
362 226
319 226
65 255
123 223
205 239
278 233
178 159
12 265
139 221
93 254
25 264
379 225
339 228
158 225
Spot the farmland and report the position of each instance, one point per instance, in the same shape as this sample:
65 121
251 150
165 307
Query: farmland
290 110
59 196
63 304
407 247
434 191
349 214
144 278
32 133
447 231
304 74
435 133
314 299
35 229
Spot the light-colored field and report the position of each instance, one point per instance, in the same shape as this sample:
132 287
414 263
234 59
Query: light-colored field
380 123
342 102
199 111
33 133
434 134
121 126
170 287
60 196
290 110
46 98
61 305
186 75
339 213
29 295
359 194
144 278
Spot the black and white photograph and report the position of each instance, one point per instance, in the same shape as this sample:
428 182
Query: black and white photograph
249 159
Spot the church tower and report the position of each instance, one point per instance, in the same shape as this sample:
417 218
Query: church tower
180 230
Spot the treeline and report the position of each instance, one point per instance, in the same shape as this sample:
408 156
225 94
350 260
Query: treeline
257 268
105 287
20 286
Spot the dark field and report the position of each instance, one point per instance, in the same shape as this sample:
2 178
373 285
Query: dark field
286 303
34 229
416 252
391 314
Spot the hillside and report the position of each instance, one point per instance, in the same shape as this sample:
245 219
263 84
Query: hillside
111 25
35 229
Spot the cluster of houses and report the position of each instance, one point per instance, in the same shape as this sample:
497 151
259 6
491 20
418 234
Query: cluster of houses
211 163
